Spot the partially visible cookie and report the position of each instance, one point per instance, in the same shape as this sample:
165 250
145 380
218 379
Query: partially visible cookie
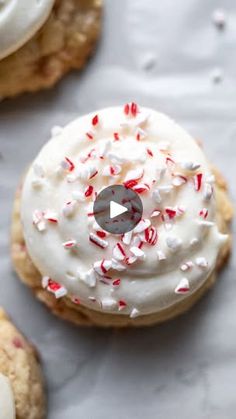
64 42
20 374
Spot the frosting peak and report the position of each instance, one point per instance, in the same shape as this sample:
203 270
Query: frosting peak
168 255
19 21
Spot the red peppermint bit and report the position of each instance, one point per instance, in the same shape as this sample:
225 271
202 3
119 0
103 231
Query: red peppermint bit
116 136
116 282
71 164
122 304
149 152
151 236
169 161
53 286
134 109
126 109
204 213
52 220
101 234
104 270
93 174
89 135
198 181
141 188
88 191
129 184
97 241
95 120
170 212
90 214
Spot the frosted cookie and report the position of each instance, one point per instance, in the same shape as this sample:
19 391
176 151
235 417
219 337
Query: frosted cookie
21 385
41 41
147 275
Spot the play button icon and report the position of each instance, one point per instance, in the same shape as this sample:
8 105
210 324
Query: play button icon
118 209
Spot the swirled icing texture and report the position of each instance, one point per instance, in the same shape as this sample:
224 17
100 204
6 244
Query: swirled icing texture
178 241
19 21
7 404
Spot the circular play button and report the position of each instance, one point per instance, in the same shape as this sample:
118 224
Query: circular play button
118 209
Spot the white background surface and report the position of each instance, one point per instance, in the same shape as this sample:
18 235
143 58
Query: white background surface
160 54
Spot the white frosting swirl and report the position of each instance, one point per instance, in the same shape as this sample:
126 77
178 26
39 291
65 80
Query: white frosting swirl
175 254
19 21
7 404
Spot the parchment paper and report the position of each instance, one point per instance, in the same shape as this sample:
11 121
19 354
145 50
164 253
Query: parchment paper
160 54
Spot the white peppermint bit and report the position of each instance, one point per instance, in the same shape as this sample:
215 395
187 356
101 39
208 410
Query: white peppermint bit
135 174
78 196
89 278
127 237
102 266
134 313
187 266
69 208
61 292
138 253
201 262
174 243
207 192
182 287
142 226
161 255
117 266
109 304
190 166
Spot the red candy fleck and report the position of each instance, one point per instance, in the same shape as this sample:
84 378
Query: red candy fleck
101 234
170 212
134 109
116 136
126 109
198 181
149 152
88 191
122 304
95 120
71 164
89 135
129 184
116 282
151 236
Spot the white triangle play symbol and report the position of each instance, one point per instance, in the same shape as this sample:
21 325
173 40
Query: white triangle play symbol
116 209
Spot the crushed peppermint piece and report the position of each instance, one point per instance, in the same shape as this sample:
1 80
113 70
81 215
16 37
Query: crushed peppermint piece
187 266
52 286
69 208
88 191
155 213
116 282
112 170
134 175
179 180
174 243
122 305
151 236
109 304
142 226
102 266
117 266
198 181
183 286
119 252
89 278
201 262
70 244
161 255
141 188
95 120
78 196
93 238
138 253
134 313
189 166
140 134
203 213
207 192
127 237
